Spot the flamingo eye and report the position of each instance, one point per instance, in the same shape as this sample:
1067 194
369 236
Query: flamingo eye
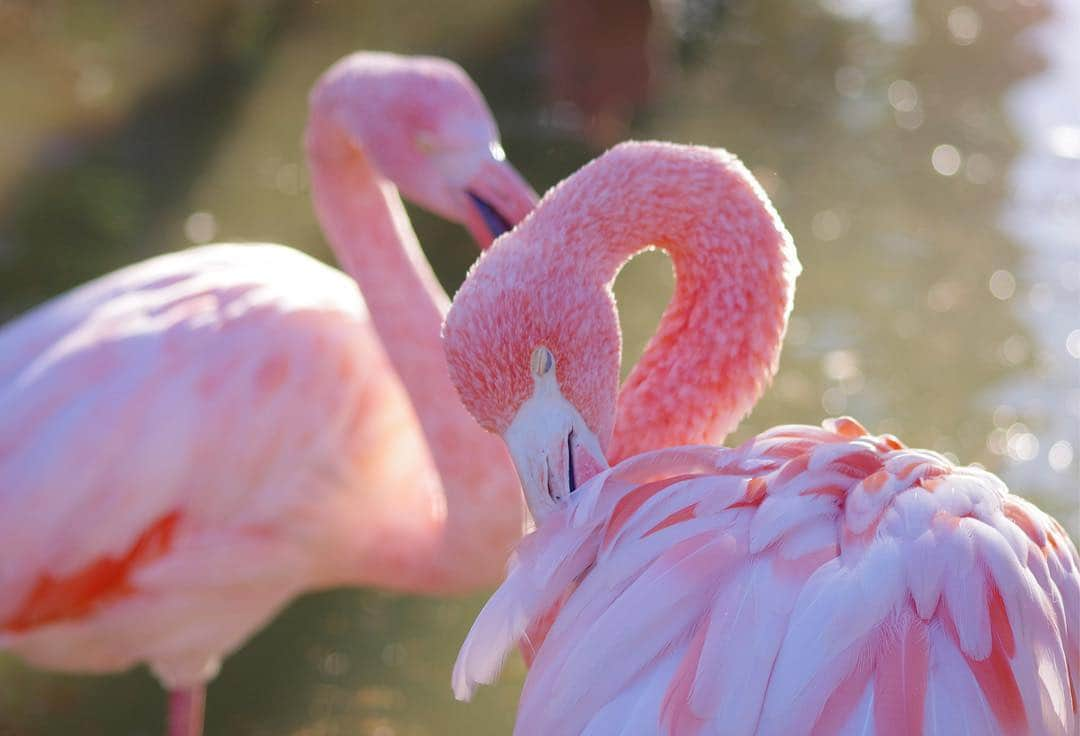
542 361
425 143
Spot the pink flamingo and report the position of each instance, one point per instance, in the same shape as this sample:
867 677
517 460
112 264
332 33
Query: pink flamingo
190 442
810 581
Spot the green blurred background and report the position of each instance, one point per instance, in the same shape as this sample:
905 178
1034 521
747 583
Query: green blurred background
925 155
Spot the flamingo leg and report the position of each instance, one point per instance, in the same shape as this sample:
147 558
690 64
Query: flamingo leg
186 711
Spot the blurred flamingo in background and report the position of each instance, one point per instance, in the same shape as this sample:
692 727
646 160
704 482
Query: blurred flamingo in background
188 443
810 581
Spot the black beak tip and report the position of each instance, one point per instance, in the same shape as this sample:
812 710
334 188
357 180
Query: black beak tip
495 222
570 460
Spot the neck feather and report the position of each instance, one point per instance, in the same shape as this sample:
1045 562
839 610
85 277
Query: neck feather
366 224
718 342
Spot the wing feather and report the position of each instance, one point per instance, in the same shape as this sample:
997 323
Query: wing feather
816 581
166 388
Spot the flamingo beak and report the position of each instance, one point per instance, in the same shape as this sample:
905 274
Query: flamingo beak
491 224
553 450
498 198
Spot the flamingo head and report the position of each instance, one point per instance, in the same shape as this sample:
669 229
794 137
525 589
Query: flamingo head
532 338
533 347
553 447
423 125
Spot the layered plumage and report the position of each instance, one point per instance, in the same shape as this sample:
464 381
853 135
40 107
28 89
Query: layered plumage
141 534
810 581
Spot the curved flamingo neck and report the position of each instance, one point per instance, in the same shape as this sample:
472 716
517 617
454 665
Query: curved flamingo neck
718 342
365 222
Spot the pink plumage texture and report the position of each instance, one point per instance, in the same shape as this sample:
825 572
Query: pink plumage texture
548 282
814 581
285 505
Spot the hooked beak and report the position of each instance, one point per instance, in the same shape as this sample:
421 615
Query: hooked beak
553 450
499 198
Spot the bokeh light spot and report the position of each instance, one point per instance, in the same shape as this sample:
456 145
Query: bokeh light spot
828 225
964 24
200 227
945 159
1041 297
1023 447
840 365
1072 344
1060 456
834 401
1014 350
1004 415
1002 284
903 96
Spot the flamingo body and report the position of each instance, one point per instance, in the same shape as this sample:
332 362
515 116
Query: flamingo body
810 581
174 544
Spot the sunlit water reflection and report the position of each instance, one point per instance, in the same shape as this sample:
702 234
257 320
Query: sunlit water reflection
924 156
1043 214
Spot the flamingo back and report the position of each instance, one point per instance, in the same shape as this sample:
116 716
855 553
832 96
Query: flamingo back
811 581
132 470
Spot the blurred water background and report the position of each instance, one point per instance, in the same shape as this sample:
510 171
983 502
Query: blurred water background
925 155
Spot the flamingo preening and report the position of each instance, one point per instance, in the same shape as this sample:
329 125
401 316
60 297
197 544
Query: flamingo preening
810 581
190 442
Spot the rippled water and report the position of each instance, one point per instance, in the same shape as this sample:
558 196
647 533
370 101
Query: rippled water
926 157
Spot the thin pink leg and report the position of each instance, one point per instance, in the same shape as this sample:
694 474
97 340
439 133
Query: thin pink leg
186 711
